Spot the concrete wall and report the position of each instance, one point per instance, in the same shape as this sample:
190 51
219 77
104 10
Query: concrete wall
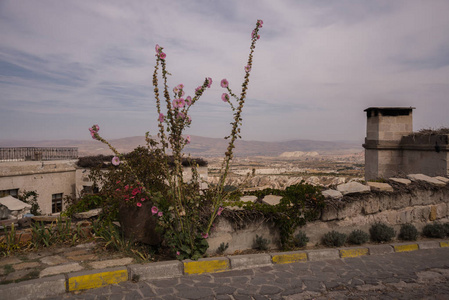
413 204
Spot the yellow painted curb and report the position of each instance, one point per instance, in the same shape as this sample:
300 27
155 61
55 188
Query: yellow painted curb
207 266
92 281
289 258
353 252
406 248
444 244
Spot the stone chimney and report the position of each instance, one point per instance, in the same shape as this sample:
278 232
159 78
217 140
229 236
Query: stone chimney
385 128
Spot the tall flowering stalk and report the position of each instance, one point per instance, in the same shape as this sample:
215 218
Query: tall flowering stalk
186 214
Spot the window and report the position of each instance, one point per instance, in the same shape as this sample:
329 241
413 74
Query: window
56 203
13 192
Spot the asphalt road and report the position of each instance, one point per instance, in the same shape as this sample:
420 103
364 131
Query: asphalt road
422 274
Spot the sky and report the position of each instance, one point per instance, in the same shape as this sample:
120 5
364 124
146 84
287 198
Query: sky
66 65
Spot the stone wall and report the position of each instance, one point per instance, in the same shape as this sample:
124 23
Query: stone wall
417 202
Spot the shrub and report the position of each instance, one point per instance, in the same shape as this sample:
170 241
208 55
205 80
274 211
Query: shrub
381 232
260 243
301 239
436 230
334 239
358 237
408 232
446 227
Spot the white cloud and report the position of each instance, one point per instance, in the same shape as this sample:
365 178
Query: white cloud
317 65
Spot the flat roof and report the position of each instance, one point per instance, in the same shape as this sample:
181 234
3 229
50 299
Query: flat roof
390 108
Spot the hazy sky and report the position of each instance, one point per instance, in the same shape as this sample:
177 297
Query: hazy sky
65 65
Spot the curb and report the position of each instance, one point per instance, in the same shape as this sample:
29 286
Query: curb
83 280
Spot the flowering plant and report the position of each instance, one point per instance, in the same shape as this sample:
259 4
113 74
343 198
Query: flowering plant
185 213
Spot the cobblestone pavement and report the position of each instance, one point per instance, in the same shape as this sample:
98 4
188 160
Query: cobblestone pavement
420 274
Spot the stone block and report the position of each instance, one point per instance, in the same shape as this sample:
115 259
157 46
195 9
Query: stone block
352 188
249 261
329 213
428 244
96 278
380 249
332 194
401 180
35 289
443 179
350 209
289 257
425 178
421 213
206 265
26 265
150 271
380 186
370 205
67 268
248 199
111 263
441 210
433 213
88 214
323 254
405 216
272 199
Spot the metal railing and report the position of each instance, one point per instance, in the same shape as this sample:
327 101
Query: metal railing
38 153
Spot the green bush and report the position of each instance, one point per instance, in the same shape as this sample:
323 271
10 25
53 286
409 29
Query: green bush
408 232
301 239
358 237
446 227
436 230
260 243
334 239
381 232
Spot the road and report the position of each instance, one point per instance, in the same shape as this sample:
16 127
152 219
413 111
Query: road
422 274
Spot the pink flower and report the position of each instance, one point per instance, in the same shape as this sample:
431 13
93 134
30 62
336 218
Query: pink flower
204 235
94 135
220 209
224 83
260 23
181 115
162 55
181 102
161 117
126 187
154 210
175 103
209 82
180 86
135 191
178 253
225 97
198 90
95 128
188 100
188 139
142 199
139 204
115 161
160 214
247 68
189 119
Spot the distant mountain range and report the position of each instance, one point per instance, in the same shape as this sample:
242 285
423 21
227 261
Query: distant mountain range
200 146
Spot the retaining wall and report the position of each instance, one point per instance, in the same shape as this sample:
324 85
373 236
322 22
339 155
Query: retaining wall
417 203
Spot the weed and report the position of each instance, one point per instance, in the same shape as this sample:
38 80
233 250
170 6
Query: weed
222 248
358 237
260 243
381 232
301 239
408 232
334 239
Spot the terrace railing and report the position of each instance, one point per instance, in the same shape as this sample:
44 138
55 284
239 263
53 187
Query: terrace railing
38 153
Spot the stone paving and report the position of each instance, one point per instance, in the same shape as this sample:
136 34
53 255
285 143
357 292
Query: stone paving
56 261
422 274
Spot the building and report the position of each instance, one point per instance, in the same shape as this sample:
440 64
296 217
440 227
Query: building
392 148
50 172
